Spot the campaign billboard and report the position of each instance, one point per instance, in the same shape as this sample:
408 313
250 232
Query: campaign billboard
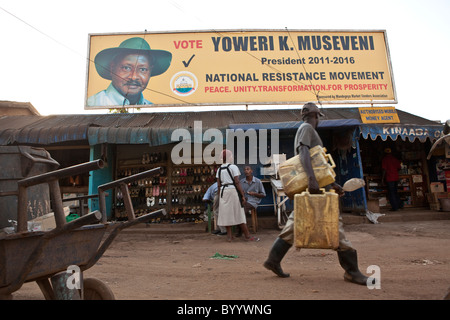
238 67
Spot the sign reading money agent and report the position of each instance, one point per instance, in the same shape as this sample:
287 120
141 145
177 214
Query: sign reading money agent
236 67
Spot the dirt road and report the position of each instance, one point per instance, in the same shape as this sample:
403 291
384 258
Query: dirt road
413 260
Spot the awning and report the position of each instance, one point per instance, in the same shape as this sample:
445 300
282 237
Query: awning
161 136
404 131
157 128
323 124
144 135
126 135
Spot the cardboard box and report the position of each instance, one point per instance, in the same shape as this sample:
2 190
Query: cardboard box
435 196
436 187
46 222
433 199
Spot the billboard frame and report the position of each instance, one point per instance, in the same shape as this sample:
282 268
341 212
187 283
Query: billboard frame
322 102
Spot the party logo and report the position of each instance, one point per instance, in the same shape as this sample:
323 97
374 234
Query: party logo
184 83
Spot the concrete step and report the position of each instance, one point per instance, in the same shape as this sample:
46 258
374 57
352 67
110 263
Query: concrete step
270 222
410 214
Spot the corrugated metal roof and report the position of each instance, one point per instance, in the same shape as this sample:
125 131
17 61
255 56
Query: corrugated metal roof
152 128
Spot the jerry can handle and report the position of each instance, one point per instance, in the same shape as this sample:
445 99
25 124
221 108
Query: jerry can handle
322 190
330 158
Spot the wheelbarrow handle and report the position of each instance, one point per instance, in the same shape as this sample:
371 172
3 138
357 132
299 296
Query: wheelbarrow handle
123 184
62 173
90 218
143 218
129 179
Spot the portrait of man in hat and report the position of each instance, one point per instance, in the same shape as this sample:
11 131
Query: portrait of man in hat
129 67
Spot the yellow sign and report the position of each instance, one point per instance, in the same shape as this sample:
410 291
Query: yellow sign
207 68
379 115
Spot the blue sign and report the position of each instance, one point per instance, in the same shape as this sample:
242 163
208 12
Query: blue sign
404 131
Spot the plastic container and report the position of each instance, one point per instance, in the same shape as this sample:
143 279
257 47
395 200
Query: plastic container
17 163
294 178
72 217
316 220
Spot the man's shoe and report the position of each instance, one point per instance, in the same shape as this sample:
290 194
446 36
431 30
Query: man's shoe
276 254
349 262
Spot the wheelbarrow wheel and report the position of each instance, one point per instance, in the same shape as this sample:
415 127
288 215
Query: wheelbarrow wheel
94 289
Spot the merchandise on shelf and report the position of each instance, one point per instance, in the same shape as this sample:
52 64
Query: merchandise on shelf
189 184
178 188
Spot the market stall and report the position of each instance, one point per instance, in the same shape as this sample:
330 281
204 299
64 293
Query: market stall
409 144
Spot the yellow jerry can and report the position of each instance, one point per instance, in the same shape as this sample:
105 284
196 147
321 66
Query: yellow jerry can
316 220
293 176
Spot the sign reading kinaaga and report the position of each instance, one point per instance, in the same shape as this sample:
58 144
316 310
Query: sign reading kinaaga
238 67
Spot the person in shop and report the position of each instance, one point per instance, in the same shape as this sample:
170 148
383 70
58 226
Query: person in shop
231 197
306 138
212 197
390 166
254 192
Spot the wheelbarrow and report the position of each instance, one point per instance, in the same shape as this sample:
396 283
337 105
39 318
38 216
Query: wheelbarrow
56 259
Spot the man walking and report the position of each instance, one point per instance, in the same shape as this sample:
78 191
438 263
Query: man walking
306 138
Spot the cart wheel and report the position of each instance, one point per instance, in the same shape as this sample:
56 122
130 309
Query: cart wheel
283 216
95 289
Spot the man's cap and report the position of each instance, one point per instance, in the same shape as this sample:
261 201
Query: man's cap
161 58
310 108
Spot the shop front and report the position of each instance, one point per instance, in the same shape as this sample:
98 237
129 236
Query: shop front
358 149
177 147
408 143
179 189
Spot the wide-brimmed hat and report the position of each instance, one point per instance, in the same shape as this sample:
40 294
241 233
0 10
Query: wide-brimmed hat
161 58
